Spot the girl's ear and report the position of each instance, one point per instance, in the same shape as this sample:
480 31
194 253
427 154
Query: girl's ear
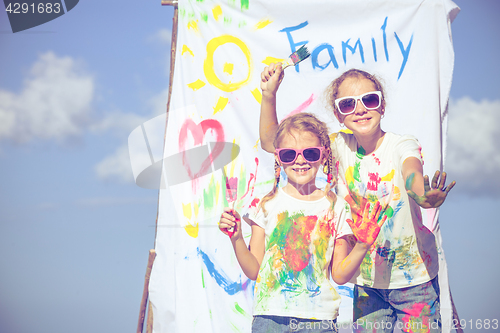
339 117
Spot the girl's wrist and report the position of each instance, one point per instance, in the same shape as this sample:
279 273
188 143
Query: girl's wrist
268 95
363 246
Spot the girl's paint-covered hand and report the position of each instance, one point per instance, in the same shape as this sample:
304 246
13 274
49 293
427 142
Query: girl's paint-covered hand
366 226
271 78
230 218
435 194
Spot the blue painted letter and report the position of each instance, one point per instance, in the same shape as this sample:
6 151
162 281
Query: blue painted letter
345 46
404 52
317 51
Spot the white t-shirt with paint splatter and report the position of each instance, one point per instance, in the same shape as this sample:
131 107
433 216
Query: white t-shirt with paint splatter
404 253
293 280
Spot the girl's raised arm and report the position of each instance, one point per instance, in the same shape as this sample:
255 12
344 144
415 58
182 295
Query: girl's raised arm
271 78
249 258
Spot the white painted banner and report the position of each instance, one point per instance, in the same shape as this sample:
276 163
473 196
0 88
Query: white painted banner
196 284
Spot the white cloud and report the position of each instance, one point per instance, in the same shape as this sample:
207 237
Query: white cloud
54 102
116 166
124 123
163 36
473 157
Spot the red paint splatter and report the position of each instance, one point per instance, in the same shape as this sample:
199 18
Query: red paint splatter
302 107
296 251
253 177
419 311
254 203
198 132
375 158
374 181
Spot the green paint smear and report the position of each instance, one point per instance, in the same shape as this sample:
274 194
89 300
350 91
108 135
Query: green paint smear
240 310
186 14
389 212
244 4
366 265
242 183
279 235
355 173
209 195
410 180
360 153
202 279
204 17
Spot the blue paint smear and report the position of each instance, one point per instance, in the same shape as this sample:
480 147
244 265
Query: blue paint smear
345 291
408 276
221 278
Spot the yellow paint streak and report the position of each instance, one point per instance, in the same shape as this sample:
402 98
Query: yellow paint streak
270 60
221 104
186 210
257 95
262 24
396 194
217 192
345 130
388 177
228 68
196 84
186 49
217 12
193 25
349 175
234 150
192 230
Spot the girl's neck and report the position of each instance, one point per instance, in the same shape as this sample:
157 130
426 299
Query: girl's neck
370 143
307 192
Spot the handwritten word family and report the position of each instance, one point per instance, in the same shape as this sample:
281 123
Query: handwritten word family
352 46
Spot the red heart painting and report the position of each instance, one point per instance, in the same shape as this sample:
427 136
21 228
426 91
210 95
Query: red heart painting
198 132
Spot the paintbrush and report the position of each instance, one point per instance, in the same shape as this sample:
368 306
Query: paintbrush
296 57
231 196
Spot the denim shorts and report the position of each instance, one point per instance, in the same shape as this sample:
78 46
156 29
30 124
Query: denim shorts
411 309
278 324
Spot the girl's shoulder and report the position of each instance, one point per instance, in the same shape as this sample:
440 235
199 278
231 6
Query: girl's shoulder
401 142
342 139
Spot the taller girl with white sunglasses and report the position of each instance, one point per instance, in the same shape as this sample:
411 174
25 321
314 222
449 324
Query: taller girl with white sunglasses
300 234
397 279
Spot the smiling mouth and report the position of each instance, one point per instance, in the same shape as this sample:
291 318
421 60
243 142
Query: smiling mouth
364 120
301 170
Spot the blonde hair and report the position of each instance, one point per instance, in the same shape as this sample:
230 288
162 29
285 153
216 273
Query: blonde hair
301 122
332 91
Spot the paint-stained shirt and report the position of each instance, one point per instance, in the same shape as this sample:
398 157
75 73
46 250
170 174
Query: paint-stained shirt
405 252
293 280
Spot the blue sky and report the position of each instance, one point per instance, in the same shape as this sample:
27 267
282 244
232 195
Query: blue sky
75 230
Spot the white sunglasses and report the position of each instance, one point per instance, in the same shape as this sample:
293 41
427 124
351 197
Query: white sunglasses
371 100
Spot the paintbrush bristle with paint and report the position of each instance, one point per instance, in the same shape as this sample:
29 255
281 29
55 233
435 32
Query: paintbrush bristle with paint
231 196
296 57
